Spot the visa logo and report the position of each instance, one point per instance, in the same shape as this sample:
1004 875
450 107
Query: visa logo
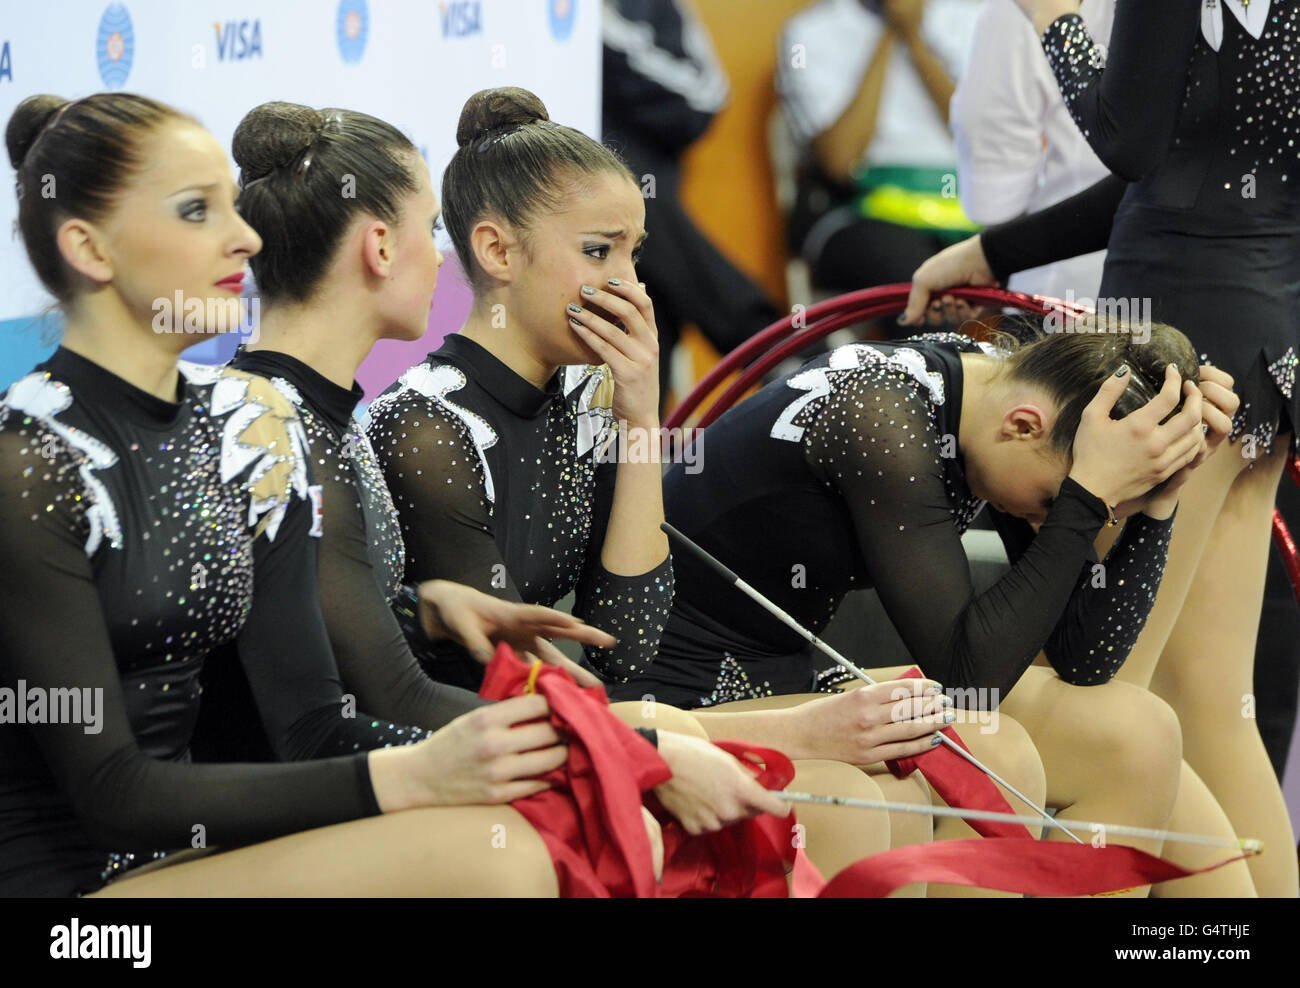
238 40
6 67
461 17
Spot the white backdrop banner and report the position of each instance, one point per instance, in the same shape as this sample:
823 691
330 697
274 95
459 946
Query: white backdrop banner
411 62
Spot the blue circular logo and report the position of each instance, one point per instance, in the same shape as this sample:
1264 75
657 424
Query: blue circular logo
563 13
115 46
353 29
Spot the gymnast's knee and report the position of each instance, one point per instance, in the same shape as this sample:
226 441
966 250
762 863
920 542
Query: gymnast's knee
1135 735
834 778
650 713
1013 750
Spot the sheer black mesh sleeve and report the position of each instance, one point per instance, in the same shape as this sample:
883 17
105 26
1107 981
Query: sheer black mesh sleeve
875 444
1125 96
373 656
1111 601
53 635
633 609
437 482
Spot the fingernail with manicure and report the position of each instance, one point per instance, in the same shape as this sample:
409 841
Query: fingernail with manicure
935 740
615 282
574 308
588 290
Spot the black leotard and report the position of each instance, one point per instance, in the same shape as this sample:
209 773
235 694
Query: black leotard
847 474
362 552
131 529
1209 229
497 486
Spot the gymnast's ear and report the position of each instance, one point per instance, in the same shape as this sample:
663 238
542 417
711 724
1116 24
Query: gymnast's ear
493 246
1024 422
377 248
83 249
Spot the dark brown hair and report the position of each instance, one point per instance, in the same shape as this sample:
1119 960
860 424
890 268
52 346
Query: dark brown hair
1072 365
304 176
72 160
514 162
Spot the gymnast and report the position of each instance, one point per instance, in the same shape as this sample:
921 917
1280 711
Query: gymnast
863 468
335 275
146 520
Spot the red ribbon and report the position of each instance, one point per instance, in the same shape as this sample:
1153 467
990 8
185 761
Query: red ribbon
591 822
1012 864
590 819
959 783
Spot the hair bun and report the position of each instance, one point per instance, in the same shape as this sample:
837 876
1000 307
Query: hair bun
29 119
493 109
271 135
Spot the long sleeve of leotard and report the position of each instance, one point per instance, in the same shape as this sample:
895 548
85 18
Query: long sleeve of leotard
634 609
373 656
1125 97
53 635
438 485
285 651
1111 600
1074 226
437 482
884 460
1125 101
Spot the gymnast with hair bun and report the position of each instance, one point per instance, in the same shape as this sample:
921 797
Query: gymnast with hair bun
150 517
864 467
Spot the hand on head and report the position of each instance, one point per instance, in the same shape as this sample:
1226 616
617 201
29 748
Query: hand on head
1121 460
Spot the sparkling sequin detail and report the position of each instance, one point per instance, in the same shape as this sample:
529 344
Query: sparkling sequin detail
348 459
733 684
175 572
547 456
1283 371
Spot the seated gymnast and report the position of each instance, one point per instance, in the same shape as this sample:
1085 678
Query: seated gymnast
491 447
863 468
367 272
167 517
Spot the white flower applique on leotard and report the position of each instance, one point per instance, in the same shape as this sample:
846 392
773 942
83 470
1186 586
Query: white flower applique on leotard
817 382
43 399
436 383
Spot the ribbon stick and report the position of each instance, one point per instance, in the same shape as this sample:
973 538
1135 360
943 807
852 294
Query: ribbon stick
1246 844
944 738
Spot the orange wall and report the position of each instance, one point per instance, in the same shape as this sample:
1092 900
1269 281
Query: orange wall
728 180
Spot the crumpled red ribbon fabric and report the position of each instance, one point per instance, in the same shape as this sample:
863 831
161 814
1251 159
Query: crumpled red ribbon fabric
959 783
590 819
591 823
748 859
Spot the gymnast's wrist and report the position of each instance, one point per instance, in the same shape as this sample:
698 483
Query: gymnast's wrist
1100 505
1160 509
395 777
